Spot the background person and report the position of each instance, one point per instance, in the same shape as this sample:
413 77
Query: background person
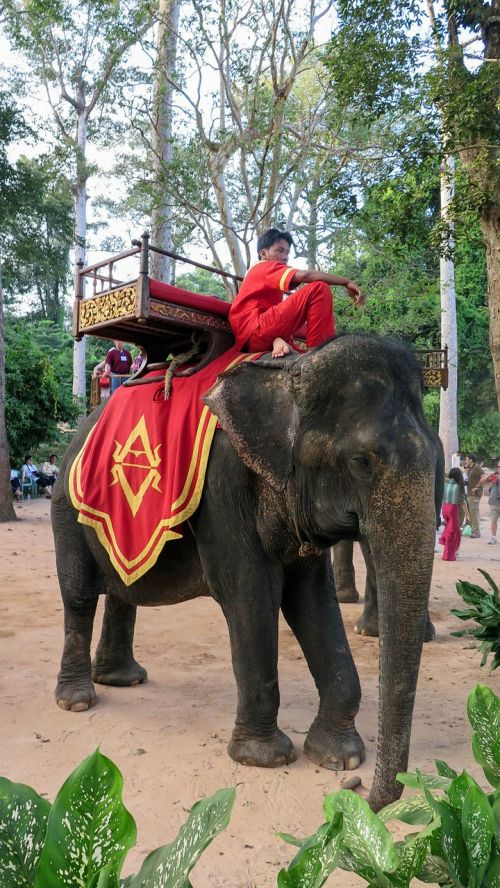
15 483
474 491
454 494
30 472
49 468
118 361
262 320
493 478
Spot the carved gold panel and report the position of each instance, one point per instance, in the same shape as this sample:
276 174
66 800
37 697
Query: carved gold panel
108 307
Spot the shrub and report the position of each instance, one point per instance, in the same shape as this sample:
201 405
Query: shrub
485 610
83 838
460 842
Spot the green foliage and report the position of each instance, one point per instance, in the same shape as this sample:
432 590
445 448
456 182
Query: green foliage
38 390
38 239
83 838
460 842
484 609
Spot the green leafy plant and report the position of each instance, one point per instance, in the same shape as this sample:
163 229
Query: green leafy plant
458 846
83 838
484 609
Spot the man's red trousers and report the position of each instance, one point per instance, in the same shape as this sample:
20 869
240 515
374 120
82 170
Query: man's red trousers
312 304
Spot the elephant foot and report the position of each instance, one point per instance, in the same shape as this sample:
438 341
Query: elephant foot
337 752
128 675
367 624
75 696
429 632
273 753
348 595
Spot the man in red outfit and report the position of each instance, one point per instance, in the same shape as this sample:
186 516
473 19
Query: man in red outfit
262 320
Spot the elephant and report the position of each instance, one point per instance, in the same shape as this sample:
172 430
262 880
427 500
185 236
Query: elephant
347 593
312 449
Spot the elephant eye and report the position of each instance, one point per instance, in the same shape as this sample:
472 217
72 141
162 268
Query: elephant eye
361 464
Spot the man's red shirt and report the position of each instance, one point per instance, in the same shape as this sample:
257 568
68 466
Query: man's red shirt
263 286
119 361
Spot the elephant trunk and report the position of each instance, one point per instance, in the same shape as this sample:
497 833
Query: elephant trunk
402 543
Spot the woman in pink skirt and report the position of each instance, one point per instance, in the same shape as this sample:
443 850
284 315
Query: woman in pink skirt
454 494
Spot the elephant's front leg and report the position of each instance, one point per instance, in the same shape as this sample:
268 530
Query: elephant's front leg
311 609
253 632
114 662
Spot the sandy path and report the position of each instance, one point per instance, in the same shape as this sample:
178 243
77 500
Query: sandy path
169 736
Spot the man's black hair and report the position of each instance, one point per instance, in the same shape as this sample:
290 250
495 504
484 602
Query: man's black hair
471 456
270 237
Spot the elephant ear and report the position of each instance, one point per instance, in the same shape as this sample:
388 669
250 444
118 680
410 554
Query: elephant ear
255 406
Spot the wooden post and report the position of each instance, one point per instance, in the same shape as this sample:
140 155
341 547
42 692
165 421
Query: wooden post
79 294
142 304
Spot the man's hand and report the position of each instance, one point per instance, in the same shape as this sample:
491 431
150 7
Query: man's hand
355 293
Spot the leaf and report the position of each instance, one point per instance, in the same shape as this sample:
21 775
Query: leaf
444 770
317 858
478 828
89 829
459 788
435 869
171 864
452 841
291 840
23 824
366 837
411 855
414 809
483 710
492 875
417 780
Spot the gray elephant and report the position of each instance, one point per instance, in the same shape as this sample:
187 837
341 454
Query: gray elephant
330 445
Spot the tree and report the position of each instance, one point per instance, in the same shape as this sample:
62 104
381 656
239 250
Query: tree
162 136
376 59
249 118
78 51
39 239
11 194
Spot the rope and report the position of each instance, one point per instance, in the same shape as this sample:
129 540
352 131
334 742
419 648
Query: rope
176 362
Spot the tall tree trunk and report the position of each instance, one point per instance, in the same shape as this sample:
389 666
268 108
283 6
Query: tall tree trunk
7 512
312 231
490 226
448 406
226 216
162 215
79 379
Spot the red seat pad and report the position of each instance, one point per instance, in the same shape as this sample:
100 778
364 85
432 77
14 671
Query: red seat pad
168 293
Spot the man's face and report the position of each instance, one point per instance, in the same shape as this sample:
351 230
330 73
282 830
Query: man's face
118 344
468 462
279 252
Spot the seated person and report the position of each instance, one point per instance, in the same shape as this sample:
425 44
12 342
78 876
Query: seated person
98 373
118 361
262 320
49 467
15 483
139 360
30 472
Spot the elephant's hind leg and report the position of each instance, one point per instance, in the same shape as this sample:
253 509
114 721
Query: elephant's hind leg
79 579
114 662
311 609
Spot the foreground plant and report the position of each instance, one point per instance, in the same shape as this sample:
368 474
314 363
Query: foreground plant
485 610
83 838
460 842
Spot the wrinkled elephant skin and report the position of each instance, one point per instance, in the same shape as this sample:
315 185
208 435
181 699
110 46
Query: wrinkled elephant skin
327 446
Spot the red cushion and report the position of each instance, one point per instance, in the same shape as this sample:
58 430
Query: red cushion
168 293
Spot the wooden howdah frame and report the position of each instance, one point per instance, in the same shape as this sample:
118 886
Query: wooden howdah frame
127 310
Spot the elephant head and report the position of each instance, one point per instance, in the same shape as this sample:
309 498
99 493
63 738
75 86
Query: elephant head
339 434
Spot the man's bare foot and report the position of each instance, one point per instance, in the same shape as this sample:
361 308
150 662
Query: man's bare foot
280 348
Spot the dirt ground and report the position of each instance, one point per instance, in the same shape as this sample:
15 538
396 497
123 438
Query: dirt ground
168 737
